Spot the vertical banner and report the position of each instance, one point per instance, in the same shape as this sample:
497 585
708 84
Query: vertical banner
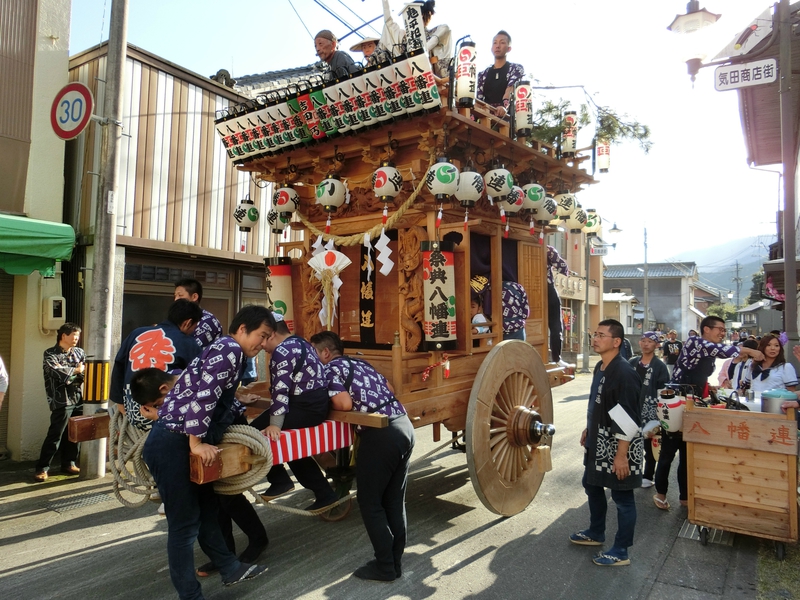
438 274
278 271
366 297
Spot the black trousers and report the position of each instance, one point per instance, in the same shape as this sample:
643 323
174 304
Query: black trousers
57 438
649 460
306 470
671 444
554 321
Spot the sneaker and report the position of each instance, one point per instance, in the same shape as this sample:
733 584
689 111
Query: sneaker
646 483
244 573
582 539
276 490
612 558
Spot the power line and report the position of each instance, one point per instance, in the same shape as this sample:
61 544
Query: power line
311 35
360 17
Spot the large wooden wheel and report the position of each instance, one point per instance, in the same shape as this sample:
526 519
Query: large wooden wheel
505 469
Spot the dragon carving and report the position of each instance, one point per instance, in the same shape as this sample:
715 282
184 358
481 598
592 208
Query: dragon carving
411 290
312 301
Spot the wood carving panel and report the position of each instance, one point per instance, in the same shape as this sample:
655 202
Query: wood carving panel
411 290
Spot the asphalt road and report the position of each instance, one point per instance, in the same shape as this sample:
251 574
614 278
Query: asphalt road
70 539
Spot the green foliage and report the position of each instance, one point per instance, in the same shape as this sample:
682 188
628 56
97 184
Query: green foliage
726 312
549 123
755 290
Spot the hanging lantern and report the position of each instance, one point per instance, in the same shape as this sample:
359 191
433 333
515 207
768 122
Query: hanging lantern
387 181
331 193
569 138
466 75
277 221
278 274
470 188
523 108
285 200
513 202
442 179
593 222
534 196
498 182
547 212
565 205
603 155
246 214
577 220
439 287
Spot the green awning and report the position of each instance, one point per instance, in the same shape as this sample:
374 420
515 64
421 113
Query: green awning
28 245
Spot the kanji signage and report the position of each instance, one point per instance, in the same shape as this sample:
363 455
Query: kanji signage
438 275
752 431
732 77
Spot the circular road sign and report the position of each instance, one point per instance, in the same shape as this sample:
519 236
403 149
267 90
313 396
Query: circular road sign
72 110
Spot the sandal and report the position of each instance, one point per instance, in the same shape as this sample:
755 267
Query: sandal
660 504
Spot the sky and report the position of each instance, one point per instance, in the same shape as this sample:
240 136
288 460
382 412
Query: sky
693 190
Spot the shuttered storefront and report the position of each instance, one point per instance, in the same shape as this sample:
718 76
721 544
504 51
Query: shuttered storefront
6 299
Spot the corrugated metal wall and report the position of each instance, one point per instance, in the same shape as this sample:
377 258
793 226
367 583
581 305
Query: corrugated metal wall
176 183
17 49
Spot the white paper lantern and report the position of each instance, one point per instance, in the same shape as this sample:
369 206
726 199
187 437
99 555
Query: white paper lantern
565 205
577 220
470 188
498 182
277 221
246 215
523 108
387 181
466 75
547 211
534 196
570 136
513 201
593 221
331 193
442 179
285 200
603 155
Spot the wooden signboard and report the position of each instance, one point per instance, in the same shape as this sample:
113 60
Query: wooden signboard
741 429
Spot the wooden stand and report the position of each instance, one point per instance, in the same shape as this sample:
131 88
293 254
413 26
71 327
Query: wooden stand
89 427
742 471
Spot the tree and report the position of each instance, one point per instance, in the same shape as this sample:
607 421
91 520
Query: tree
757 289
726 312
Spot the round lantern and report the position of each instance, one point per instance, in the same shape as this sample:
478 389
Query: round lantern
570 135
565 205
523 108
498 182
593 221
534 196
331 193
466 75
470 188
442 179
285 200
603 155
577 220
387 181
277 221
547 212
514 201
246 214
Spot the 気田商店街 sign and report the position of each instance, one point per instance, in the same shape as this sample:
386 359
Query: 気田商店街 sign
731 77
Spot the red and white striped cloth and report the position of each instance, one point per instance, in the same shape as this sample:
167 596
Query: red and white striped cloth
300 443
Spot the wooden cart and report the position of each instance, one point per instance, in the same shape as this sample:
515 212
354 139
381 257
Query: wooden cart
742 473
479 385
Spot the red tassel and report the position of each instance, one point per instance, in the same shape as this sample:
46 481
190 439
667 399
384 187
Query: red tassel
446 369
541 237
502 216
439 218
532 229
505 233
328 225
385 214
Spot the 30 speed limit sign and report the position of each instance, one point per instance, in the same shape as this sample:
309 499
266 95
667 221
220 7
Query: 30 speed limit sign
72 110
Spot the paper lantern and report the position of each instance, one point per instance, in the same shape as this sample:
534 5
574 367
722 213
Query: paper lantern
498 182
331 193
603 155
593 221
565 205
569 138
277 221
534 196
577 220
387 181
442 179
439 287
547 212
278 275
470 188
466 75
246 214
513 202
523 108
285 200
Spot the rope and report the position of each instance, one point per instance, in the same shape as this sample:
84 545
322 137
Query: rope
358 238
130 472
260 447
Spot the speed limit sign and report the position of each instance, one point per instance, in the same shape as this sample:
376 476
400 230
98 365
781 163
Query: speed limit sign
72 110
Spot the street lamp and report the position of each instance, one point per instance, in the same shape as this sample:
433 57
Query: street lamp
693 22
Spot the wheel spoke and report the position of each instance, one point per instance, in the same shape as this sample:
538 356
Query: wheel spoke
498 406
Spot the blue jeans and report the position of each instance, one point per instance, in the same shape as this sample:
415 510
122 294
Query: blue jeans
191 511
626 514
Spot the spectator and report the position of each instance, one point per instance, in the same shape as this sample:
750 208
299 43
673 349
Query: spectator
773 372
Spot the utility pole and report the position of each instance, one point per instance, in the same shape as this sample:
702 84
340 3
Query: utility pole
98 348
646 324
738 281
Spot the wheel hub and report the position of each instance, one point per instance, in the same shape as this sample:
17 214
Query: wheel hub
525 427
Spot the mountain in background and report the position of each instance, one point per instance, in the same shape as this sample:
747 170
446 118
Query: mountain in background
716 266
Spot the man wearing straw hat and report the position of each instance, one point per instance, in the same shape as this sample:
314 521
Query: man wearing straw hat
325 44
